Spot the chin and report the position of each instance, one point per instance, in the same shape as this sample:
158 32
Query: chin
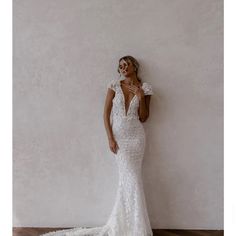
126 75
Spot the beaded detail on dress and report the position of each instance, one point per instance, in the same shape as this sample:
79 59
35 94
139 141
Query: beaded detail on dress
129 216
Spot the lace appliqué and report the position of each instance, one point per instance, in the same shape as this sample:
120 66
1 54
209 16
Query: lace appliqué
129 216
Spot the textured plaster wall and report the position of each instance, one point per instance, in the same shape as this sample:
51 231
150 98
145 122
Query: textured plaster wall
65 52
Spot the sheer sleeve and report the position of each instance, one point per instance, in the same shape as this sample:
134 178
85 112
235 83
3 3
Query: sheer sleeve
147 89
111 85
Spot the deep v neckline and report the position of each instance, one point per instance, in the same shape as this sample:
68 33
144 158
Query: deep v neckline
123 95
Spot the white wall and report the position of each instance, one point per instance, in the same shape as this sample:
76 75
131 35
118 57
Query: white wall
65 52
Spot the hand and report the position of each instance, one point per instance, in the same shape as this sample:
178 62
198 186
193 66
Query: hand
113 145
137 90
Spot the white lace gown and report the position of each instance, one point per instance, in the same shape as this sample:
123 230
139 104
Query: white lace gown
129 216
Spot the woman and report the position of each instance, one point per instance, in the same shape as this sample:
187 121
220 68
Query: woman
128 99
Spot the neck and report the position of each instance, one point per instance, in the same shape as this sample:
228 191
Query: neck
131 78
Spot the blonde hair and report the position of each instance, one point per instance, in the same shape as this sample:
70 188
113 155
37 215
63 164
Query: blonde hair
134 62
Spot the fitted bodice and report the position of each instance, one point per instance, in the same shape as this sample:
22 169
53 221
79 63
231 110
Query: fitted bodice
118 102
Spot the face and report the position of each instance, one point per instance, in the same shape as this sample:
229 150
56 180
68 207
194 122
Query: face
126 68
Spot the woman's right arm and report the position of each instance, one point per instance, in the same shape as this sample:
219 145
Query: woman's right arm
106 116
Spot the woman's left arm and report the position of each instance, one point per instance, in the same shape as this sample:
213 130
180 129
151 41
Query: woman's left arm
143 110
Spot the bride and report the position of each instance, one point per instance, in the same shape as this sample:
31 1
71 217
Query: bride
128 101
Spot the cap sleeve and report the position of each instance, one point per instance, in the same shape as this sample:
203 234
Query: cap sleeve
147 89
111 84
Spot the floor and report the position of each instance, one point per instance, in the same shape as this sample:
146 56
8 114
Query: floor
25 231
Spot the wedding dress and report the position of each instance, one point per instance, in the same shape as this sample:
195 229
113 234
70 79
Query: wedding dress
129 216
